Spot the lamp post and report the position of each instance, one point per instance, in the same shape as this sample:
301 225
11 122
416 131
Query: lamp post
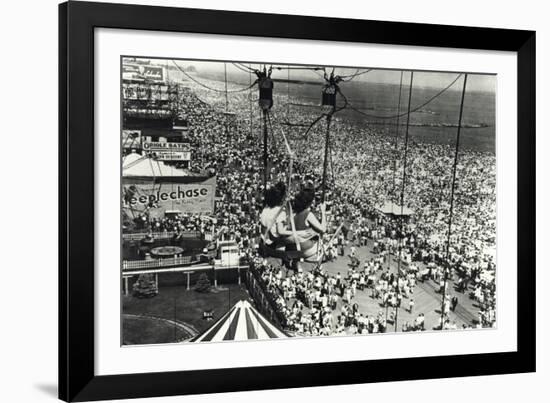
265 85
328 101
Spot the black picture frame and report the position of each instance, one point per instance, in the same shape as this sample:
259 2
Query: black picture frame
77 21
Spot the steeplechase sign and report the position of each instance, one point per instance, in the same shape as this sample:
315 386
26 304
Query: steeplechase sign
189 198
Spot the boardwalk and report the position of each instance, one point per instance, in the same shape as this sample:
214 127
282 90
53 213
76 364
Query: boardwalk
427 300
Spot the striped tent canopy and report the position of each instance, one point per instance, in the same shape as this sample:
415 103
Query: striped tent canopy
242 322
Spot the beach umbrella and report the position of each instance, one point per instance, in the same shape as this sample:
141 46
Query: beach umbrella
394 209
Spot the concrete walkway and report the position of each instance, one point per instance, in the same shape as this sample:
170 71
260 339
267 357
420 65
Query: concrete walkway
426 298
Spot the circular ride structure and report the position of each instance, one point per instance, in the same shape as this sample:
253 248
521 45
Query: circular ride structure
163 252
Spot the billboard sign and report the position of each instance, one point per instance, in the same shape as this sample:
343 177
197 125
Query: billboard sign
141 72
145 92
166 146
195 197
172 155
153 73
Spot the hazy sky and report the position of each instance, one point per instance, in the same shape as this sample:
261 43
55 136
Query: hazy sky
476 82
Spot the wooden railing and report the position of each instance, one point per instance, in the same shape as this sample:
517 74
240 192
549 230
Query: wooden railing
153 263
262 298
164 235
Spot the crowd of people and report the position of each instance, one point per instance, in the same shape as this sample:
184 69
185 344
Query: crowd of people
365 171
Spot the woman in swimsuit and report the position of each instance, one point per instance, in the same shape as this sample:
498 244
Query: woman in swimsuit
305 220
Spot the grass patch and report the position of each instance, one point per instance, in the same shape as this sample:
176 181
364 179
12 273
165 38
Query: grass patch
151 331
178 304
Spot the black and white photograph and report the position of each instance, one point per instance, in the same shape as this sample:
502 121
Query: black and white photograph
287 201
273 201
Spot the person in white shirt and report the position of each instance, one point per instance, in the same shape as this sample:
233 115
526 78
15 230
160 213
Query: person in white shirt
411 305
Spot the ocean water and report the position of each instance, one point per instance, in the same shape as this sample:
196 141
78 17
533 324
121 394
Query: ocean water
427 124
